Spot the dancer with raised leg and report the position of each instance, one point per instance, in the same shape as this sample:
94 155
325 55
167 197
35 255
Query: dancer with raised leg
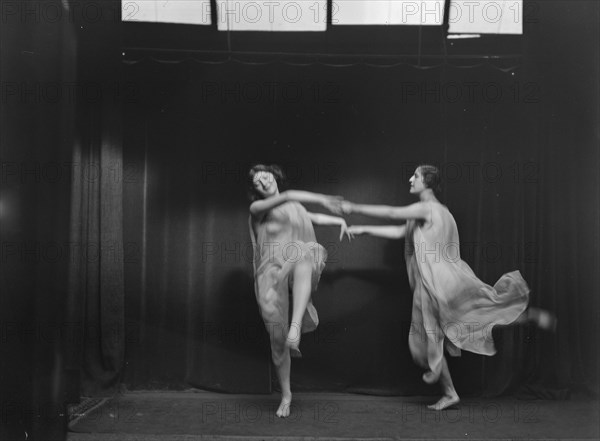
452 308
287 259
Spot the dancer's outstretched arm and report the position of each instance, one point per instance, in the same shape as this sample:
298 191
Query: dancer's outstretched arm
418 210
325 219
261 206
384 231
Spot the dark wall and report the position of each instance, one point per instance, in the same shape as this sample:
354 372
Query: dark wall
515 137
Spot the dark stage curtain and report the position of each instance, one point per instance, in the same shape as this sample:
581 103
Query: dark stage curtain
95 301
96 290
37 108
563 128
521 180
510 183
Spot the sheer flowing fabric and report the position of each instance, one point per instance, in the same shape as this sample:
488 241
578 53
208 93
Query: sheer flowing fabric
282 239
452 308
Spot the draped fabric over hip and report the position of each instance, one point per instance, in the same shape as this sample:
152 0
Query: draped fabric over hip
283 238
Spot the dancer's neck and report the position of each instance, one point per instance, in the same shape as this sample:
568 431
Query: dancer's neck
427 196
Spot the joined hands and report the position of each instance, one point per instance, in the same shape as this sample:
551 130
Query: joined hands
340 207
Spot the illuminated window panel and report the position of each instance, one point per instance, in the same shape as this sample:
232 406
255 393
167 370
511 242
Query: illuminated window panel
486 17
388 12
195 12
248 15
140 10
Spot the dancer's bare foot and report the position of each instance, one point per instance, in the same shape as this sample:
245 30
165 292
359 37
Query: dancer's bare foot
293 348
293 341
284 407
543 319
445 402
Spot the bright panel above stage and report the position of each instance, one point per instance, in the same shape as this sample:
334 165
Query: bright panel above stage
250 15
486 17
388 12
196 12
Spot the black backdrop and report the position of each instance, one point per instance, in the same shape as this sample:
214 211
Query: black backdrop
519 149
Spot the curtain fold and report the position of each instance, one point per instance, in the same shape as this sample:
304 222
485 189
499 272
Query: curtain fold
96 292
96 288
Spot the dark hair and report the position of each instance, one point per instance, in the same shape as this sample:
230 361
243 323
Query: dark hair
431 177
275 170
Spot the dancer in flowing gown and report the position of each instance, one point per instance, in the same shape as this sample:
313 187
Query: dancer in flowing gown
287 259
452 309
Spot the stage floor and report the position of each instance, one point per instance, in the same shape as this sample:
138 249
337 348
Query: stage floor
199 415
